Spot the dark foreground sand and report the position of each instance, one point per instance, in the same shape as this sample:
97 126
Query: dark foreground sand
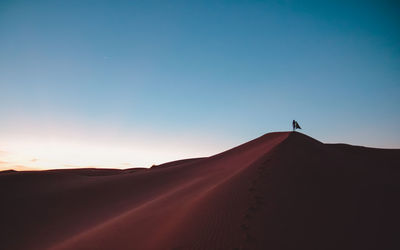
279 191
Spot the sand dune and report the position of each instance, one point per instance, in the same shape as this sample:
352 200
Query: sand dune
280 191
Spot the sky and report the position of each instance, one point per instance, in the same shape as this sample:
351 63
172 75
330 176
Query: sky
123 84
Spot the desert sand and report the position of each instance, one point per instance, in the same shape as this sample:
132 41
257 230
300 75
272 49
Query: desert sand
282 190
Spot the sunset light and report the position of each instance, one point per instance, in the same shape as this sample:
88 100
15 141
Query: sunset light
33 152
199 125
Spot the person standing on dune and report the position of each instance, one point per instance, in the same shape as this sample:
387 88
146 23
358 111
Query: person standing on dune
295 125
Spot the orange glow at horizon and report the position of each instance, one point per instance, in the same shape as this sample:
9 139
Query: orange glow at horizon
37 151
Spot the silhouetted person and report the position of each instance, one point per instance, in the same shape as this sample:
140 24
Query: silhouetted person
295 125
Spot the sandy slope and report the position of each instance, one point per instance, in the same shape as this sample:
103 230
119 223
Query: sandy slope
279 191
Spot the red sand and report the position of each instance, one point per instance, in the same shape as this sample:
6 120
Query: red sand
279 191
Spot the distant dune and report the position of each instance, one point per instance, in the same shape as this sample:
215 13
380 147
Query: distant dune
280 191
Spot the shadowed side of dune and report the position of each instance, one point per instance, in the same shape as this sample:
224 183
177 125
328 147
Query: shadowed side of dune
321 196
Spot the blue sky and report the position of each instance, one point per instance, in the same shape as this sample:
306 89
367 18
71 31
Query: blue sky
202 77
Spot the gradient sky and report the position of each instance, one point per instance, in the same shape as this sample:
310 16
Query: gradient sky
135 83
